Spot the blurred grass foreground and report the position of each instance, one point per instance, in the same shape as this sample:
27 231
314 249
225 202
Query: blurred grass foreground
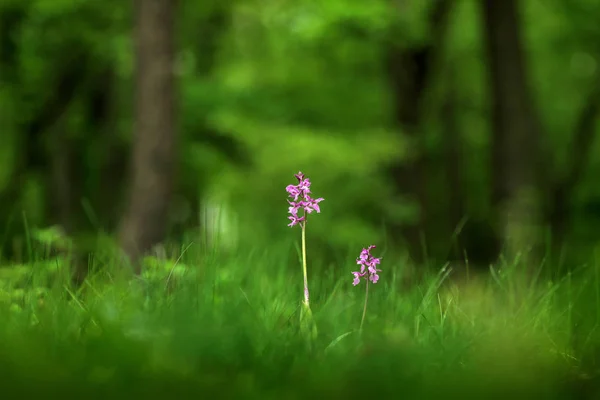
210 325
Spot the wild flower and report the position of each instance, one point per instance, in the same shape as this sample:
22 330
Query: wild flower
368 271
302 200
307 203
368 266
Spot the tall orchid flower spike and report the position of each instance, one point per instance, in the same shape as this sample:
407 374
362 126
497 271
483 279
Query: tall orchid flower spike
300 205
301 201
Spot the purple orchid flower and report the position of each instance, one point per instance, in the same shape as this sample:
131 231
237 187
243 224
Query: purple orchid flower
307 203
368 266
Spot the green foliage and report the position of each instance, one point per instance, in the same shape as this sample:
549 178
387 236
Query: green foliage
230 326
298 86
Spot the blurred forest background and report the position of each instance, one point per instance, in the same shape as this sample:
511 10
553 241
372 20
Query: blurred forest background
440 129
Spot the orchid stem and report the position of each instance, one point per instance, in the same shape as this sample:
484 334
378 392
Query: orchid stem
306 297
362 320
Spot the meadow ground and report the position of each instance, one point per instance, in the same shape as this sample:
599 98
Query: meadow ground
215 326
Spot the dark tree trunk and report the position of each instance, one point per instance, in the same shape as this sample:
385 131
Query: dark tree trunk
584 133
106 193
410 74
515 130
154 148
36 158
453 153
60 180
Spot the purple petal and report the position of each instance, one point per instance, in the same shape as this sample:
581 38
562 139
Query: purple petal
356 278
295 220
293 209
304 186
374 278
315 205
373 262
291 189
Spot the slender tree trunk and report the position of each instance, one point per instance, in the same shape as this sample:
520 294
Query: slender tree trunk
407 72
453 153
515 130
410 71
59 182
154 148
584 133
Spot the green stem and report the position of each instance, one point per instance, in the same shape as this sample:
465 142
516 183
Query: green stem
304 262
362 320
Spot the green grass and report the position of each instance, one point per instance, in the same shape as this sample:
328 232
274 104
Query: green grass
213 326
